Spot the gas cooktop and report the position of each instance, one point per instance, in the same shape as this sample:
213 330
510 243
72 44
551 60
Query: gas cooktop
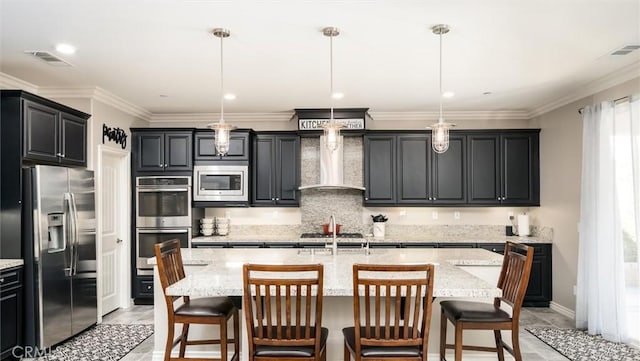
339 235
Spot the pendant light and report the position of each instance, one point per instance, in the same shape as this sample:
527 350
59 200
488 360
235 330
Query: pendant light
221 128
331 128
440 134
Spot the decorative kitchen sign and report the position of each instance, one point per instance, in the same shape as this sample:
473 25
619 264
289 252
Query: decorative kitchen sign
316 124
313 119
116 135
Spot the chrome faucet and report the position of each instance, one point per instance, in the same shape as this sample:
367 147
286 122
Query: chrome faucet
332 229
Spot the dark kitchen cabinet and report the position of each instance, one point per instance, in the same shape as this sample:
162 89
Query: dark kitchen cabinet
504 168
448 172
540 284
144 287
204 146
423 177
414 169
11 312
162 150
380 169
275 170
51 133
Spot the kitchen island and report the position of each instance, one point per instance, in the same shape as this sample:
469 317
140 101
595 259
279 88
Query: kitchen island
459 273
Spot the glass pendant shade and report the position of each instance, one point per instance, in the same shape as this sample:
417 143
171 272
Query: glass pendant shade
440 136
223 132
332 134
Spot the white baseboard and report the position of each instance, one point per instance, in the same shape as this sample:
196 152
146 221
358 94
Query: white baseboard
563 310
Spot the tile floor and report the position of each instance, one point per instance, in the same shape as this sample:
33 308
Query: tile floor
532 348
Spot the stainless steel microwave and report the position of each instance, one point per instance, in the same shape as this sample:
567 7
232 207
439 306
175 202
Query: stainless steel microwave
221 183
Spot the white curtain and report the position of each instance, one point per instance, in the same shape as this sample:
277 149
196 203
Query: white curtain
610 197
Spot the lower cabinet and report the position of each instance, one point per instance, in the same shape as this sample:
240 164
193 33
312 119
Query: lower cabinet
10 311
540 285
143 291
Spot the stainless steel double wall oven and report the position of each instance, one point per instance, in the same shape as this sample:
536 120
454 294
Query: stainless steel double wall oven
163 212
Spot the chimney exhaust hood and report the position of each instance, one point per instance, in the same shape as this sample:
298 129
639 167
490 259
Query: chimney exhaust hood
331 169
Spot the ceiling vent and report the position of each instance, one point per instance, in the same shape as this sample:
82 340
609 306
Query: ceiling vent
626 50
48 58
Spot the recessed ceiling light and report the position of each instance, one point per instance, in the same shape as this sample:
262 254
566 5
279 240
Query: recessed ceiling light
65 48
448 94
337 95
230 96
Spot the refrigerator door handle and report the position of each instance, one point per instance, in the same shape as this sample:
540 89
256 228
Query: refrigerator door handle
75 241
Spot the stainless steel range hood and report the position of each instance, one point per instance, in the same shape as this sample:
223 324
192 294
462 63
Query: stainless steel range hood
331 169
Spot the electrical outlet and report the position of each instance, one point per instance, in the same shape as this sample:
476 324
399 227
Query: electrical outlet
510 214
456 215
434 215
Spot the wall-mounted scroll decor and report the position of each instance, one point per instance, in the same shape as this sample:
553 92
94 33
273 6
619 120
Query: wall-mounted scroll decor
116 135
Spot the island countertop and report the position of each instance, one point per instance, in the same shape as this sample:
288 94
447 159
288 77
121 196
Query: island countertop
221 273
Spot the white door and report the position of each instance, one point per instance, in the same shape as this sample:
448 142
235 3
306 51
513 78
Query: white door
111 231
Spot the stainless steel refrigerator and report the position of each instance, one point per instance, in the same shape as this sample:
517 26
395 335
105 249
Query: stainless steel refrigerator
60 258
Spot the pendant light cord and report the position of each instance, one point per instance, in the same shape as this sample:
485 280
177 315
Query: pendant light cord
331 74
440 95
221 81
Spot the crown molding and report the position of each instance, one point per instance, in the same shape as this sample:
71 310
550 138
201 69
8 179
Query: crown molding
10 82
450 115
610 80
213 117
98 94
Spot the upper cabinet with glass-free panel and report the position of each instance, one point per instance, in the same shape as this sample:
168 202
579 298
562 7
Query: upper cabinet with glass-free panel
504 167
205 151
159 151
51 132
481 167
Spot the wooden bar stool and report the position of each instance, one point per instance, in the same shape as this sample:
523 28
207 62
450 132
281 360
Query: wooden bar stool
207 310
468 315
403 333
284 322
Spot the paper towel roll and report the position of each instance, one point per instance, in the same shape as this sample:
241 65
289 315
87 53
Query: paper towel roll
523 225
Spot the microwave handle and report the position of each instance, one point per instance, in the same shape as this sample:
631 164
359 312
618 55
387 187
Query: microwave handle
163 231
163 189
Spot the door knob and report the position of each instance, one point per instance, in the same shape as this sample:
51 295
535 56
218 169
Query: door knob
118 240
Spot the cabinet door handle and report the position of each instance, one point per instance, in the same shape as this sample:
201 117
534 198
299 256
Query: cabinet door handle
434 198
61 155
160 165
165 165
273 199
2 280
277 199
366 198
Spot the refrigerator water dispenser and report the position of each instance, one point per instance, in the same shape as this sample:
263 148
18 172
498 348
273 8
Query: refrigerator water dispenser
57 239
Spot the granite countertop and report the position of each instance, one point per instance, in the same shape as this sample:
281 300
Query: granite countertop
370 239
221 273
9 263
